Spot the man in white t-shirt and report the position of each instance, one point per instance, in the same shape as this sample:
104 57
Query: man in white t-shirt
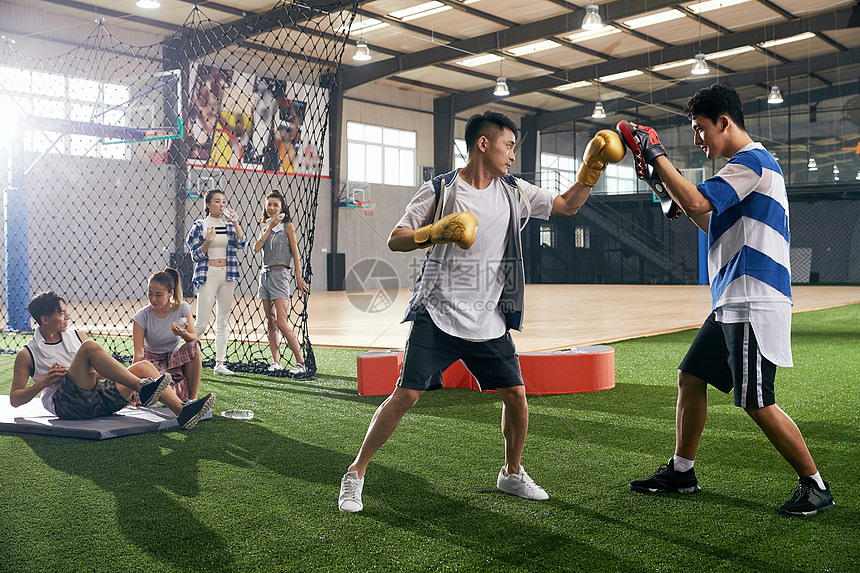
470 291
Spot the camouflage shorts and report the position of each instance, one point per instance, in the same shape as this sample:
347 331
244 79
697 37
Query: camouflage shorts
71 402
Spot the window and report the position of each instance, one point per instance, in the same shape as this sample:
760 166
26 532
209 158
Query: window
55 96
618 179
583 238
557 172
547 236
380 154
461 154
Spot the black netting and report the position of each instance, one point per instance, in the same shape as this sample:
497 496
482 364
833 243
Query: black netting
117 143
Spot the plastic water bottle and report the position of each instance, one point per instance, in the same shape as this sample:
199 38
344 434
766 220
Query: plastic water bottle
238 414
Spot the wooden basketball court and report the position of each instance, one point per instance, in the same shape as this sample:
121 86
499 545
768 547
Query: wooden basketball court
556 316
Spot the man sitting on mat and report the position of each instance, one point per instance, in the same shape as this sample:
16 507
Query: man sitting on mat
470 292
69 371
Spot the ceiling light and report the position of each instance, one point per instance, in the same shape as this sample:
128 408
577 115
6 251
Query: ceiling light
811 165
775 95
713 5
591 35
419 11
797 38
732 52
572 86
533 48
599 112
148 4
835 170
592 20
657 18
362 51
479 60
365 25
858 176
670 65
620 76
701 66
501 87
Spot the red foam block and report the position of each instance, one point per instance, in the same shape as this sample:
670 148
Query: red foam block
580 369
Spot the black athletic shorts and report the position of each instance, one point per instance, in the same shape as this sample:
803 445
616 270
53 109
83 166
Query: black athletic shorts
429 351
71 402
727 356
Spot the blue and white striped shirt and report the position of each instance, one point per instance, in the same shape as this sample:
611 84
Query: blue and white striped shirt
748 249
748 234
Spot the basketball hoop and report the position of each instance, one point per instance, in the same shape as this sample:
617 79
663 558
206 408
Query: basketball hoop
368 208
157 142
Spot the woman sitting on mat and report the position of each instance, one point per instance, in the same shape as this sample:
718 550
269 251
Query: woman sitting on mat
164 334
213 243
278 243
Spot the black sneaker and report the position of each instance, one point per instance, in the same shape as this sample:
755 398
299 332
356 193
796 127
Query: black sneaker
150 390
194 410
667 480
808 499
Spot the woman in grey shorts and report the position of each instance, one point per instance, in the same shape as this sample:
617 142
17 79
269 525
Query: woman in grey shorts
278 243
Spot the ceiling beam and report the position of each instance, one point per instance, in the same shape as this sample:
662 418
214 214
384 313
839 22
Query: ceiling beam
839 20
97 11
851 57
559 24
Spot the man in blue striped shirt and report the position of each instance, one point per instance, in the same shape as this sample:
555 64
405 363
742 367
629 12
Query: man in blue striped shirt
744 211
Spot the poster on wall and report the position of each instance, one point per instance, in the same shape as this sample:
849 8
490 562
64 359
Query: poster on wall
242 121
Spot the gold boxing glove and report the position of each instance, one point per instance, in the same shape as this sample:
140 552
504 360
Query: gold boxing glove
458 228
605 147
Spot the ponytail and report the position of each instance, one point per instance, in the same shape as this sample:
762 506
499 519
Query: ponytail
177 288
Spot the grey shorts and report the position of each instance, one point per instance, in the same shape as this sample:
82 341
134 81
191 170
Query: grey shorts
71 402
274 284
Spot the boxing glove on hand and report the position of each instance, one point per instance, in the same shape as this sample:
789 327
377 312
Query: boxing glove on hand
457 228
606 147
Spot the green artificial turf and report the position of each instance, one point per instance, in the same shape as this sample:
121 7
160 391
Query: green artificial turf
260 495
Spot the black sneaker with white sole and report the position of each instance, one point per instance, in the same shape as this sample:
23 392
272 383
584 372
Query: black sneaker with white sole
667 480
808 499
150 390
194 410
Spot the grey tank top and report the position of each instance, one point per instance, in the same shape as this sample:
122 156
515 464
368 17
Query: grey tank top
276 250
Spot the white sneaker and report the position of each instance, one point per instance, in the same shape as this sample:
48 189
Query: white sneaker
350 492
520 484
298 369
275 367
222 370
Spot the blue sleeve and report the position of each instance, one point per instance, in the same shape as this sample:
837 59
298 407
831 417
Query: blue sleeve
721 195
194 240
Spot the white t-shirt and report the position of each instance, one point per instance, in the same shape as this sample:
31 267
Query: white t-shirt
464 301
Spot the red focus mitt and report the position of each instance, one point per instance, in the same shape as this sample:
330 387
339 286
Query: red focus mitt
646 147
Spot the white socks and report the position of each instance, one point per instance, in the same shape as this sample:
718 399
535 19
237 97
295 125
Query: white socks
818 480
682 464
